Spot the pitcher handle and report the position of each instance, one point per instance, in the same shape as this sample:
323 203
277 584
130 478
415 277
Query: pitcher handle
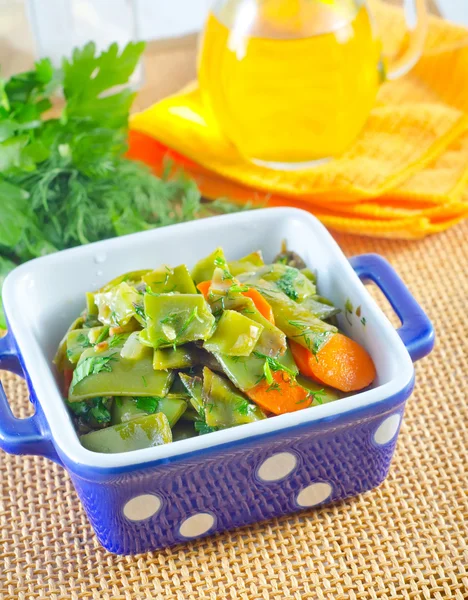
416 21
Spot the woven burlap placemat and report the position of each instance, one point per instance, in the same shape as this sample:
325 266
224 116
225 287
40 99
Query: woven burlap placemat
406 539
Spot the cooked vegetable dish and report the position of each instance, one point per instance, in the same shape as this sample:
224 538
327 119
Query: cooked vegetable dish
160 356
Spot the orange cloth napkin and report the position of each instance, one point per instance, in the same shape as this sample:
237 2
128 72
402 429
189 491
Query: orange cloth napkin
406 176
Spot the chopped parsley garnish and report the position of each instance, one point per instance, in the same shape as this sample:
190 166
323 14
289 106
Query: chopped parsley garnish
173 320
243 406
100 412
103 335
267 373
272 364
192 316
169 319
117 340
313 339
145 383
150 292
84 341
203 428
364 321
92 365
169 272
238 288
97 409
91 321
221 263
316 396
148 404
139 310
286 283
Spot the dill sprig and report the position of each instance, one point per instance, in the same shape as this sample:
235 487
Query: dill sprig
271 365
66 181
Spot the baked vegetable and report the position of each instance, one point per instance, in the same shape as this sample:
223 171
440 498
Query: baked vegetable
166 354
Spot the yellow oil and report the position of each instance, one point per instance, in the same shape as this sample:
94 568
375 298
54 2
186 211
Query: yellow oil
292 82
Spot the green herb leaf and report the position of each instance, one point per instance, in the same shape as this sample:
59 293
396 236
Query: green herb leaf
148 404
286 283
317 396
84 341
243 406
267 372
272 364
66 181
97 409
5 267
87 76
313 339
92 365
222 264
140 311
100 412
117 340
103 335
238 288
13 210
203 428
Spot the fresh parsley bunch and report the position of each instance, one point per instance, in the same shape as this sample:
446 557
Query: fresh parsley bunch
65 181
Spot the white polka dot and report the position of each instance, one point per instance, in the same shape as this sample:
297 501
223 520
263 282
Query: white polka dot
142 507
387 430
196 525
277 466
314 494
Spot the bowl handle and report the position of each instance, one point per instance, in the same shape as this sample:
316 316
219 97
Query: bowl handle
21 436
416 332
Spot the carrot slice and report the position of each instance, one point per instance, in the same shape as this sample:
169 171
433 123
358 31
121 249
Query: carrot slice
260 304
204 287
340 363
283 395
302 358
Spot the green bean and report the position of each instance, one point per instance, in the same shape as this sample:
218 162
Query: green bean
235 335
139 433
108 374
175 319
164 281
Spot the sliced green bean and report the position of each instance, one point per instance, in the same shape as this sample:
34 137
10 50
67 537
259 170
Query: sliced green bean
139 433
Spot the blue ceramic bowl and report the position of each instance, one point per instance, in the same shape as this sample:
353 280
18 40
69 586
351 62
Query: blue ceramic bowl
157 497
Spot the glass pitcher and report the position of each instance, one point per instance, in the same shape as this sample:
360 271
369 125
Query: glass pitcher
292 82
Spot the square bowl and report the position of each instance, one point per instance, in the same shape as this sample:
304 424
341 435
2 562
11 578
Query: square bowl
161 496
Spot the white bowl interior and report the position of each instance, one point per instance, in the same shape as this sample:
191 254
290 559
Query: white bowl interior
43 297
